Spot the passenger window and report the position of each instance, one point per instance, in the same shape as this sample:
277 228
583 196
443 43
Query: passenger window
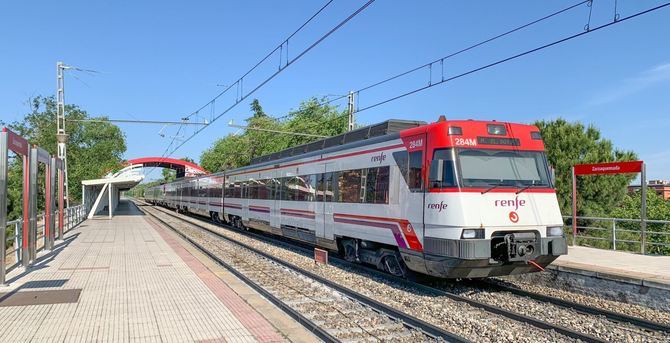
376 190
415 182
273 186
349 185
442 173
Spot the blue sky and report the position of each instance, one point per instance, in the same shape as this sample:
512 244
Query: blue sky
163 59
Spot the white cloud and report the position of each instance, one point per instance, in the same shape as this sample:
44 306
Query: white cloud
627 87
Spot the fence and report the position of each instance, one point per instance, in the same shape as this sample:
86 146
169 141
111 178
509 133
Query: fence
71 218
620 234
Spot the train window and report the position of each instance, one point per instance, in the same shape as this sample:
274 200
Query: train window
230 190
252 189
324 187
309 191
414 179
215 189
272 186
261 190
349 186
202 188
376 187
442 173
286 191
320 187
329 192
237 189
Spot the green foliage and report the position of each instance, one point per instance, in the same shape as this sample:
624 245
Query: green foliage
311 117
170 175
657 209
568 144
93 148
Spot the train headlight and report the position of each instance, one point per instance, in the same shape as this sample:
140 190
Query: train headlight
472 234
554 231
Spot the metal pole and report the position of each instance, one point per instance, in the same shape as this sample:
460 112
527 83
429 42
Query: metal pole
32 238
60 203
4 159
643 210
613 233
574 207
25 257
50 222
350 110
61 136
17 241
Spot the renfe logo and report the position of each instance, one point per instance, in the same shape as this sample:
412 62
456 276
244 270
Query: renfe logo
516 203
439 207
379 158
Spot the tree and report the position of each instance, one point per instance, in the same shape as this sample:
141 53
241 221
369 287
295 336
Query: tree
170 175
93 147
311 117
568 144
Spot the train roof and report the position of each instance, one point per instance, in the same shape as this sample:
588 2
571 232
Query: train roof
376 130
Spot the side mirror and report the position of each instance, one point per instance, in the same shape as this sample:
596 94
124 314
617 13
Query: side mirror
436 171
552 176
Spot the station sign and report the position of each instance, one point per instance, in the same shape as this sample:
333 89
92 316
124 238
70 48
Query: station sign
608 168
16 143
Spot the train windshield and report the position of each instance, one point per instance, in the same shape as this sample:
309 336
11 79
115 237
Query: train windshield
485 168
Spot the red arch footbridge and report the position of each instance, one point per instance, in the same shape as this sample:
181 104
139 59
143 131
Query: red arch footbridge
183 168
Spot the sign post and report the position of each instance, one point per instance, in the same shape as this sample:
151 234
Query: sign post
610 168
4 160
32 228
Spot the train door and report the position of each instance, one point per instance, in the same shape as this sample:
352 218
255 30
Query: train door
320 208
275 192
415 177
330 178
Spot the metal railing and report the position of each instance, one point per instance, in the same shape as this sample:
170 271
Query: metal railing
72 217
620 234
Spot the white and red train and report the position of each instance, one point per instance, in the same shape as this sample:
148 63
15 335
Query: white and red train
453 199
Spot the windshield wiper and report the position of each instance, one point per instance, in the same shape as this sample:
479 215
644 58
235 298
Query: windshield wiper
529 186
492 187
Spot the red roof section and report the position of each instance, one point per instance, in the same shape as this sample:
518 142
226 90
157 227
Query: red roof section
165 162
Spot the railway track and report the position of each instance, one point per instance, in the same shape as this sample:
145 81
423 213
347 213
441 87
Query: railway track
637 323
332 312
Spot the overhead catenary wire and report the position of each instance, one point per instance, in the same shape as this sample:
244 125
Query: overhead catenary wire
289 61
515 56
587 29
466 49
338 97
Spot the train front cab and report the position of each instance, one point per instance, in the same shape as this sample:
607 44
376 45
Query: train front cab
490 208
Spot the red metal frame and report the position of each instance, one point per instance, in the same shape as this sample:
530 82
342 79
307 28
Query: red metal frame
610 168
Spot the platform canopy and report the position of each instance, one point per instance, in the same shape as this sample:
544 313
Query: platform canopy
102 196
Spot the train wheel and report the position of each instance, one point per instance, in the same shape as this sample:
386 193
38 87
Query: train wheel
350 253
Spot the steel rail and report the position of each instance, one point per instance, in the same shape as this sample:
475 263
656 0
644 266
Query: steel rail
406 319
614 316
429 289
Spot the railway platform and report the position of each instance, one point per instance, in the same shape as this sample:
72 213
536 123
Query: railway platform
619 266
126 279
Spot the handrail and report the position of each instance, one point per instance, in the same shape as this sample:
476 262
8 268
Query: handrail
617 234
72 217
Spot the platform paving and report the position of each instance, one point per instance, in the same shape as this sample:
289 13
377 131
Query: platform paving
653 271
125 280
